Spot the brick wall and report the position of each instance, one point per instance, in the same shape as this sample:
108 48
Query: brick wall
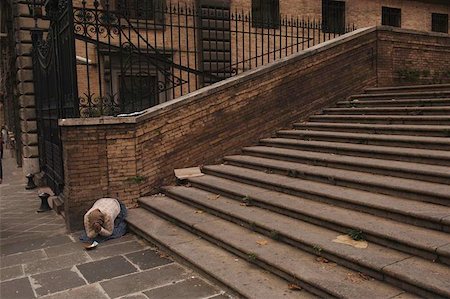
133 156
416 14
408 58
104 157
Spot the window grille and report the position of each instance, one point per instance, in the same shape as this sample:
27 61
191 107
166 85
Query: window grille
266 13
333 16
439 22
391 16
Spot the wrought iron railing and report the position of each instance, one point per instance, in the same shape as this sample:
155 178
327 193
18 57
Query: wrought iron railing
131 57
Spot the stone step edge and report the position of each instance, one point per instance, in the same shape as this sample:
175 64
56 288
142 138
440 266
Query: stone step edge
258 261
344 181
317 219
368 139
336 257
379 239
395 101
408 87
355 149
381 109
381 119
440 93
217 244
365 136
351 165
375 127
190 262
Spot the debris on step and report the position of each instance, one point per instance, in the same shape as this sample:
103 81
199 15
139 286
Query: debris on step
346 239
262 242
185 173
294 287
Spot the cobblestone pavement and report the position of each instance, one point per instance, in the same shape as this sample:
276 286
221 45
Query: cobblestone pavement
39 259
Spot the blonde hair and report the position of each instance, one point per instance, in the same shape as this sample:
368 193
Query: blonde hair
96 216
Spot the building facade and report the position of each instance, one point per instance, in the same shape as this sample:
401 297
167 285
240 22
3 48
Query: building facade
113 64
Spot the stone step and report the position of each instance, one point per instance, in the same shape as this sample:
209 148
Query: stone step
415 130
383 119
424 172
409 88
400 187
223 267
395 103
402 95
375 260
276 257
442 110
435 143
434 157
423 242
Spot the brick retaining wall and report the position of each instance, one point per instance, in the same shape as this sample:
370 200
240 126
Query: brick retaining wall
131 156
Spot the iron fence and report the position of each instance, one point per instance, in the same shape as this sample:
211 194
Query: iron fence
132 55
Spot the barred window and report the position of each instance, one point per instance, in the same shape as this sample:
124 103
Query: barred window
138 91
391 16
333 16
266 13
439 22
142 9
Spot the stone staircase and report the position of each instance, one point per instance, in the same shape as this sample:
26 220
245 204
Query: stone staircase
265 223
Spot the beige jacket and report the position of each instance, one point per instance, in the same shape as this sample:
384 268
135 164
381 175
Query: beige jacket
110 208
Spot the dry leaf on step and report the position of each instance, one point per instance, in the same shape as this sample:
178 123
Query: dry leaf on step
357 277
322 260
213 197
198 212
262 242
294 287
345 239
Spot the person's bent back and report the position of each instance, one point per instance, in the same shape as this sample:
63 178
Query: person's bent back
99 220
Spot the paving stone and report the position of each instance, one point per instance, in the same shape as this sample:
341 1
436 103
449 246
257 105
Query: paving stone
190 288
106 269
27 245
16 289
49 227
135 296
64 249
91 291
144 280
56 263
15 237
55 281
11 272
147 259
21 258
116 249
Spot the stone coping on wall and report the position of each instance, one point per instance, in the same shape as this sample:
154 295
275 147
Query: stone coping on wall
217 87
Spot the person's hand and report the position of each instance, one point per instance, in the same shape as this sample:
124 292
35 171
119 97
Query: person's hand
97 227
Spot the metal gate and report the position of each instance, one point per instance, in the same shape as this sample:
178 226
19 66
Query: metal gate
54 72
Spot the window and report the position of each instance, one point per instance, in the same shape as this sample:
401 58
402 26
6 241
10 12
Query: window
266 13
391 16
131 82
333 16
439 22
138 91
141 9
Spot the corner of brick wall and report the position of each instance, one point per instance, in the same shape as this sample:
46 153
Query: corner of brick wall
99 161
409 57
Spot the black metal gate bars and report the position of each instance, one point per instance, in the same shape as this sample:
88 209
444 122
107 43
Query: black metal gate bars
112 57
55 87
